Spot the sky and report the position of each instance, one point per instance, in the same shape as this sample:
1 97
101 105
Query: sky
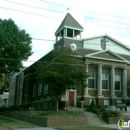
41 18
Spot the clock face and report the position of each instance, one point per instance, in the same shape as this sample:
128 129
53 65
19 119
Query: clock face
73 46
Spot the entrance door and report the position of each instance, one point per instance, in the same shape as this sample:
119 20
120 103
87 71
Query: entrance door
71 98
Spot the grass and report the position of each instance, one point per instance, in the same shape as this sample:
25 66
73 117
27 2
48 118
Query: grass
11 124
61 113
85 128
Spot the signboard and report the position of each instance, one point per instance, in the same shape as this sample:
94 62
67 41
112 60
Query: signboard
120 105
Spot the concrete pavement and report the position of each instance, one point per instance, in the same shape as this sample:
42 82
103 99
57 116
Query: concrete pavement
115 126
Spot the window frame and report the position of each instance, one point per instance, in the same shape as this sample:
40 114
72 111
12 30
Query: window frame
39 88
116 80
92 78
46 87
105 78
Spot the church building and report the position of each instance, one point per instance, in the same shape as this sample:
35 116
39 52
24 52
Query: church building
107 63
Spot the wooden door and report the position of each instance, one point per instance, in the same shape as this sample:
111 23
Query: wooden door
71 98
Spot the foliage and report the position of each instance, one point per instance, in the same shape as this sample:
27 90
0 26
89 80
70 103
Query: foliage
1 101
128 102
97 109
124 101
15 46
64 71
110 113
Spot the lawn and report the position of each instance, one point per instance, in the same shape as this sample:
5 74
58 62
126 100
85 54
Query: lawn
85 128
11 124
60 113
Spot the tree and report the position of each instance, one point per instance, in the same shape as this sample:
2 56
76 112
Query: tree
64 71
15 46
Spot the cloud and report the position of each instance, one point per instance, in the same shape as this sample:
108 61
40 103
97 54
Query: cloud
95 17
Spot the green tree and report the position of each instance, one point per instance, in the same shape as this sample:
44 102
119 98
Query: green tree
63 71
15 46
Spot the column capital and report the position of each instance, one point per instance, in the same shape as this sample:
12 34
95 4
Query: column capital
100 65
86 62
113 66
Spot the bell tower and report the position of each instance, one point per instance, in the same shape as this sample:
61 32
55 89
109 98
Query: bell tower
69 31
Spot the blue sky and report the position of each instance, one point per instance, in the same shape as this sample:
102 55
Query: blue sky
98 17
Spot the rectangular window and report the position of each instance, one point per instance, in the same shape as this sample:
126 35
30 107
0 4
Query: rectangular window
117 82
34 90
39 89
45 88
91 80
105 81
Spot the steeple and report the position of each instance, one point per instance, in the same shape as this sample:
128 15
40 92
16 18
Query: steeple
69 28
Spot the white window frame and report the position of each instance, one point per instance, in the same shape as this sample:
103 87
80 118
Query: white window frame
45 88
105 77
94 78
40 89
119 80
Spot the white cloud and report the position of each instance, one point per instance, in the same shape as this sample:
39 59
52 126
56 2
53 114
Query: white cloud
44 27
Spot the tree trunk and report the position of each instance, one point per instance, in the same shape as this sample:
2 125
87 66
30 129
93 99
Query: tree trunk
57 105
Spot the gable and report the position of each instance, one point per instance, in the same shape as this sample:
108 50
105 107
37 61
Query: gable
70 22
106 55
95 43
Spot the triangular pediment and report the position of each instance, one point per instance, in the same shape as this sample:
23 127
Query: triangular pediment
107 55
105 42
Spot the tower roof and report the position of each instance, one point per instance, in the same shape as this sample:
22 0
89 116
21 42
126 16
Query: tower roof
69 21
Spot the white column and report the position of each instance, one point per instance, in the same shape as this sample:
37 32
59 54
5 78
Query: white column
124 82
80 35
113 81
73 33
86 89
56 38
64 32
99 85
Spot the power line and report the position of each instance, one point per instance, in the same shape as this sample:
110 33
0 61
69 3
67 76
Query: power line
59 18
84 9
54 63
43 39
28 12
64 13
34 6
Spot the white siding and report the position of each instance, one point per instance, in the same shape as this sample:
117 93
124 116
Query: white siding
95 44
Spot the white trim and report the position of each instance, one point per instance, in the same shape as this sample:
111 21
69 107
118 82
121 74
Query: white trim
70 27
106 59
78 39
109 38
99 52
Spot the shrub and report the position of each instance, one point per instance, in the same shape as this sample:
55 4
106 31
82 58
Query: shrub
128 102
110 113
97 111
3 108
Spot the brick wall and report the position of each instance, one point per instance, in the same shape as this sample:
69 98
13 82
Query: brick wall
46 121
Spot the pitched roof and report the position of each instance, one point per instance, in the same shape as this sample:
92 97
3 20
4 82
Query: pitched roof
95 56
121 44
69 21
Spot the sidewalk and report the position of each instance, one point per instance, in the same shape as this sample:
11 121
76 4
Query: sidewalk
115 126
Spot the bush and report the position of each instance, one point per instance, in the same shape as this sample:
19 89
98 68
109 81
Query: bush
97 111
110 113
128 102
3 108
